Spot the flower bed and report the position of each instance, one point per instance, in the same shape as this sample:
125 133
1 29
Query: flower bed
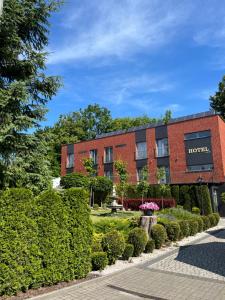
134 204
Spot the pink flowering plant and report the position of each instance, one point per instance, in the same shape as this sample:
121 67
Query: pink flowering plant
149 205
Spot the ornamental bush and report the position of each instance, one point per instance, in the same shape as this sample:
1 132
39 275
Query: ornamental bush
128 251
99 260
75 180
20 256
206 200
184 229
212 220
158 235
173 230
206 222
102 187
80 232
217 218
175 192
97 242
138 238
200 224
52 219
195 210
113 244
193 226
150 246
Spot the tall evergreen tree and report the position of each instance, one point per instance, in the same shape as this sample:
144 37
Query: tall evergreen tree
217 101
24 88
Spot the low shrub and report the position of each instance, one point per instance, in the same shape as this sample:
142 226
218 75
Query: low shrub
150 246
173 230
200 224
184 229
158 235
99 260
212 220
206 222
113 244
97 242
217 217
193 226
195 210
138 238
128 251
109 224
96 206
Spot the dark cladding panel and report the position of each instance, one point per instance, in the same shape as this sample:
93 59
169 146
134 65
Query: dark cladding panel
163 162
161 132
70 148
140 136
108 167
141 163
198 152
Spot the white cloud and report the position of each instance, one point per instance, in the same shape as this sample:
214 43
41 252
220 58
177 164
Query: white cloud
117 29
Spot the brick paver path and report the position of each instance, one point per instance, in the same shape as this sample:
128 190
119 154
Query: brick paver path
193 272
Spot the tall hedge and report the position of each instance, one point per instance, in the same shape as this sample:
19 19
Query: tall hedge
20 257
43 240
52 219
206 200
80 229
175 192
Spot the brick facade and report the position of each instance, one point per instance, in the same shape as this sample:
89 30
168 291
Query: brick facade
124 148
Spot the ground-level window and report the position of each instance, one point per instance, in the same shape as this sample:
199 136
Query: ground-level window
199 168
108 155
70 160
166 178
109 174
94 155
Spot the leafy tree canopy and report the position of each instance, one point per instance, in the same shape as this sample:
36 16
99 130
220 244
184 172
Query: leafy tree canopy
217 101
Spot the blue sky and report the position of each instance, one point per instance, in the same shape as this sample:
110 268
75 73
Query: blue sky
137 56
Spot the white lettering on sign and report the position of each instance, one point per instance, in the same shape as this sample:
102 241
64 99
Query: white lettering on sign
198 150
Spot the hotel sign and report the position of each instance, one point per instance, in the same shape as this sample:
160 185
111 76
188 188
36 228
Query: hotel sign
198 150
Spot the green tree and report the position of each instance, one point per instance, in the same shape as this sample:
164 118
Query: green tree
89 166
167 117
24 88
121 169
217 102
143 184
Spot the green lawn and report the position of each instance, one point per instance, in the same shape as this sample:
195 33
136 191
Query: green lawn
105 214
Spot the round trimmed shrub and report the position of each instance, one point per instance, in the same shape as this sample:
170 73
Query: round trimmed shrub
173 230
193 225
217 218
150 246
138 238
206 222
158 235
184 229
128 251
99 260
113 244
200 224
97 242
73 180
195 210
95 206
212 220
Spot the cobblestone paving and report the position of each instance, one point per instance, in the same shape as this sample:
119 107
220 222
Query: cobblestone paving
205 259
194 273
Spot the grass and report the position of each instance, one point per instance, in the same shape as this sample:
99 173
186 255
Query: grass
105 214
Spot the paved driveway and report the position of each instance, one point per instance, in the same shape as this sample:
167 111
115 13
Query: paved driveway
191 272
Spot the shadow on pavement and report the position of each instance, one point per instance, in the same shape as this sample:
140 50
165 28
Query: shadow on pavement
207 256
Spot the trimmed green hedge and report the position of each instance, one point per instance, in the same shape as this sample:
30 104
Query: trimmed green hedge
113 244
158 235
150 246
128 251
173 230
44 240
99 260
138 238
184 229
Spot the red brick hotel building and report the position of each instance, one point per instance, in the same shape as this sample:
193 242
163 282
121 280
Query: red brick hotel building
190 148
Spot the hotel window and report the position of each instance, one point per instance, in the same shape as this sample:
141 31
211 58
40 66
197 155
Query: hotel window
108 155
166 178
140 175
141 150
70 161
197 135
94 155
109 174
162 147
199 168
